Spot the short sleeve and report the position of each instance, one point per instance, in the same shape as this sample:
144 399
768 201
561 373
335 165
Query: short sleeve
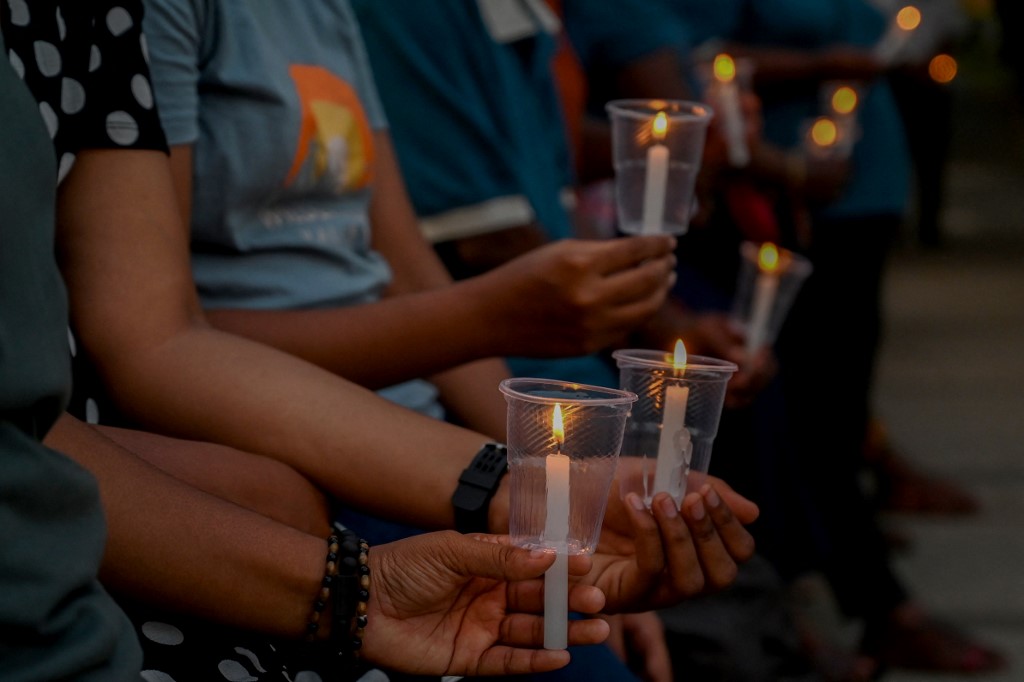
119 108
174 31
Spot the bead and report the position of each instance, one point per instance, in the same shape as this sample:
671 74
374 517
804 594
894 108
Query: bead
325 594
361 621
357 644
331 567
318 607
364 569
364 595
363 559
332 556
364 582
361 608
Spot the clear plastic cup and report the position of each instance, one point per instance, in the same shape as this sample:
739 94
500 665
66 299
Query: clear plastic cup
656 162
672 427
593 419
763 299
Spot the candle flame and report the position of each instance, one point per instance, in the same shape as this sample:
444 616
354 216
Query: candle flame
725 68
942 68
768 257
679 356
844 100
659 126
908 18
557 427
824 132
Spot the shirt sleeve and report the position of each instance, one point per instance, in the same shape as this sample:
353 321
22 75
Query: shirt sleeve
119 110
175 30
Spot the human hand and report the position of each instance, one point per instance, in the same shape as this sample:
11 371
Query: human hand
653 559
638 639
445 603
574 297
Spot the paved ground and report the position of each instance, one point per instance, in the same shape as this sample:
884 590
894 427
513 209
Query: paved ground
951 380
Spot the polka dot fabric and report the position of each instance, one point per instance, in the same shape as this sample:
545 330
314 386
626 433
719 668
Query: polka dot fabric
85 64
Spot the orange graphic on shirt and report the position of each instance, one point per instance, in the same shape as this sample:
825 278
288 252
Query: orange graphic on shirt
335 141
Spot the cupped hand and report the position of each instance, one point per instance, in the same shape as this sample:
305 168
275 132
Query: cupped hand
574 297
714 334
654 559
450 604
638 639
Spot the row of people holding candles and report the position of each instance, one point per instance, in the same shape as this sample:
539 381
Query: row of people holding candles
565 439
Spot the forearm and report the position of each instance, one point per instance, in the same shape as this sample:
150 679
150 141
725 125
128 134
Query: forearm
340 436
173 545
470 395
378 344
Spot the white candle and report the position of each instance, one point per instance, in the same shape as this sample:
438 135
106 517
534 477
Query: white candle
556 532
766 286
656 179
673 438
726 94
896 37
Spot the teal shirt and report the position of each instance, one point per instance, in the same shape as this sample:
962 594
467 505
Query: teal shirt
56 621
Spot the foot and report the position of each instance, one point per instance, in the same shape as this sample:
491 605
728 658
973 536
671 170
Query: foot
915 641
904 489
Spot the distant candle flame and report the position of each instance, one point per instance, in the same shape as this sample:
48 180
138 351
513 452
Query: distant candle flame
679 356
768 257
844 100
908 18
824 132
557 427
659 126
725 68
942 68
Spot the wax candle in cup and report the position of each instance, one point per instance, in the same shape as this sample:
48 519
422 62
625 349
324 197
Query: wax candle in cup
674 441
556 532
656 179
766 287
725 95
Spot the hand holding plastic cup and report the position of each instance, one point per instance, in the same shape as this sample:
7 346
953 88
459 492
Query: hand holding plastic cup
768 282
657 147
563 447
674 422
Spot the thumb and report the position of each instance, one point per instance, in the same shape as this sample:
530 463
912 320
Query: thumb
489 556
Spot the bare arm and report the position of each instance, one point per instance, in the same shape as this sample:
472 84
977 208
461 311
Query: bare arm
134 305
163 548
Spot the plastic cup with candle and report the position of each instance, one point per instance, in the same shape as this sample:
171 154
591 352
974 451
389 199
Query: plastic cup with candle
563 446
893 42
657 147
724 94
672 427
769 280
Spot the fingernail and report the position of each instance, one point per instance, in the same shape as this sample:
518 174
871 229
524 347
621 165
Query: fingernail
668 507
635 502
711 497
537 553
697 510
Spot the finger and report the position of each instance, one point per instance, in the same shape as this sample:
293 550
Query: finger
482 557
684 568
639 283
526 630
528 597
744 510
650 556
627 252
504 660
737 540
719 567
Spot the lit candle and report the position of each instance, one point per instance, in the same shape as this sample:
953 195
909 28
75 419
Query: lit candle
823 137
556 532
727 98
656 179
766 287
674 438
898 34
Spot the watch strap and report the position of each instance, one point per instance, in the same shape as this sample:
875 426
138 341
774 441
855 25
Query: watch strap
477 485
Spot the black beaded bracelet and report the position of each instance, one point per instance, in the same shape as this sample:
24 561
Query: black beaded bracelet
351 591
330 576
